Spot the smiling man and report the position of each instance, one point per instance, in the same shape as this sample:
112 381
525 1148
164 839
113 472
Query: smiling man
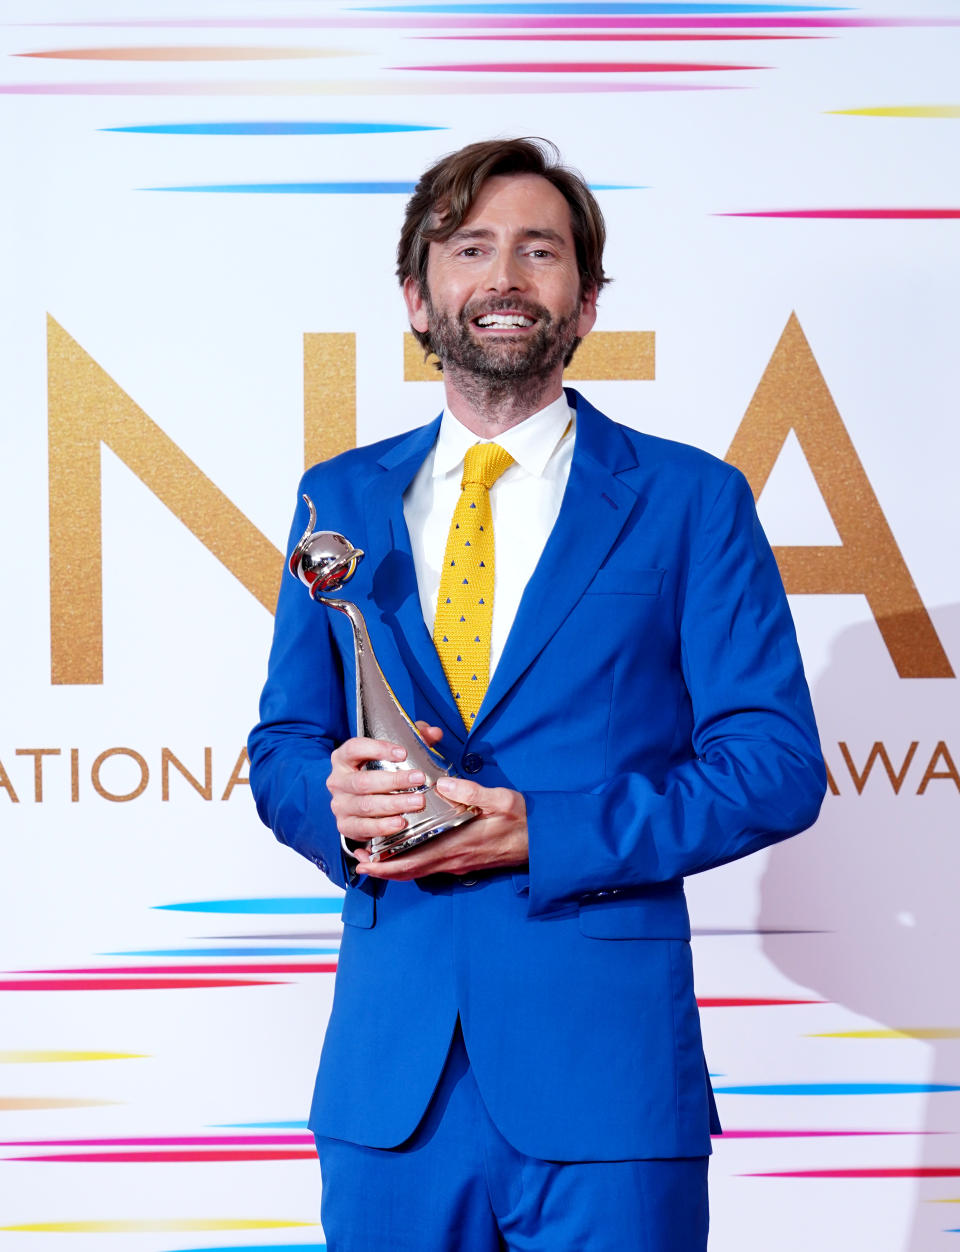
590 624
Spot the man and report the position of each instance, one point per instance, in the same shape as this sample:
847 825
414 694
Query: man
513 1059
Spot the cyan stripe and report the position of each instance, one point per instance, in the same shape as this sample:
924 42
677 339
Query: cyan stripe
839 1088
299 189
268 904
339 189
260 1247
271 128
251 951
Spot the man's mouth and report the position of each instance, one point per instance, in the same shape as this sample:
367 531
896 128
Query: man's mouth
504 321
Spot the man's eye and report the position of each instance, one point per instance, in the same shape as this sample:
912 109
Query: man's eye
471 251
541 252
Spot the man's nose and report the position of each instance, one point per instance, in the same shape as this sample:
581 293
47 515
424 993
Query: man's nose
505 273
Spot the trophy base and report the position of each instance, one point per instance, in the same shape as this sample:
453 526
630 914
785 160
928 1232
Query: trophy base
429 826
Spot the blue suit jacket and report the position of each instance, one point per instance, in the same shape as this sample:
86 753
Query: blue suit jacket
651 706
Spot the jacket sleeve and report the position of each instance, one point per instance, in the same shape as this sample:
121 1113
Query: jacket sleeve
303 717
754 774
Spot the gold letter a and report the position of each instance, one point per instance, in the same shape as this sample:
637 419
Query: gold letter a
792 395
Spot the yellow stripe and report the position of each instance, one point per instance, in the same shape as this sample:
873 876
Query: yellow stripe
154 1225
904 1032
903 110
46 1054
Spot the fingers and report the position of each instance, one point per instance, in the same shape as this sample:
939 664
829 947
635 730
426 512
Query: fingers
432 734
353 753
489 800
491 842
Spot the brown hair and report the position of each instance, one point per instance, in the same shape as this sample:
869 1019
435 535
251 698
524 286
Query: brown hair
445 194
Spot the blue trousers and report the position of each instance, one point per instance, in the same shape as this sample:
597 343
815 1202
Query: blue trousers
458 1186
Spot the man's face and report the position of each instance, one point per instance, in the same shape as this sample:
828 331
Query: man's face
503 298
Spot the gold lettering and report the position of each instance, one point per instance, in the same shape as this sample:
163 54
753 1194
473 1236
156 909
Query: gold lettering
604 354
235 779
793 395
7 785
38 754
940 751
167 759
878 751
87 409
329 395
834 789
74 775
110 795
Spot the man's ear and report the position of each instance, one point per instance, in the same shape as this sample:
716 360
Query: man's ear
415 298
588 310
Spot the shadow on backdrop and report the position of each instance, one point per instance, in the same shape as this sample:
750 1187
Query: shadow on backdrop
879 876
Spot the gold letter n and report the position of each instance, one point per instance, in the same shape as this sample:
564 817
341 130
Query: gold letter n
87 408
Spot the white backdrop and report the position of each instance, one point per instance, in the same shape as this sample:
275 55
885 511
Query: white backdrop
156 1061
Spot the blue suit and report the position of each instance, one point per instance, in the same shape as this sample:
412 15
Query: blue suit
649 704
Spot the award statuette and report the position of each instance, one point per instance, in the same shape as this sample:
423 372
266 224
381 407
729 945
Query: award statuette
323 561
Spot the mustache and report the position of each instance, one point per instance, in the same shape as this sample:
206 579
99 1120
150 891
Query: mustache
501 304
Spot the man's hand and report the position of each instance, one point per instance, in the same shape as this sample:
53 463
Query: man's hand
366 804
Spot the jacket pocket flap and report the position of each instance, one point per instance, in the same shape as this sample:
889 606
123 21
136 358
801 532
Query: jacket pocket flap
659 915
359 908
631 582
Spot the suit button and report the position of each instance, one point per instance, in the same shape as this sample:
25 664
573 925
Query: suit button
468 882
320 863
473 763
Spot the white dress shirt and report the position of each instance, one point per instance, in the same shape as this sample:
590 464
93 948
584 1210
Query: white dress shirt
524 501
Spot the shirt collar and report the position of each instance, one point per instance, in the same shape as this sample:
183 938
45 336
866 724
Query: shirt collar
531 442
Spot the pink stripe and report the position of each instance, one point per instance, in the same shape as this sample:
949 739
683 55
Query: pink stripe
620 36
190 1141
581 67
180 1156
130 984
853 214
746 1002
239 967
925 1171
809 1134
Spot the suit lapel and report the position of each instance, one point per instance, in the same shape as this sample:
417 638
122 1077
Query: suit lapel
394 591
595 508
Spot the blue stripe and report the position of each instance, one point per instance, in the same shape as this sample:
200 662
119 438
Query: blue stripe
268 904
340 189
252 951
271 128
300 189
604 8
839 1088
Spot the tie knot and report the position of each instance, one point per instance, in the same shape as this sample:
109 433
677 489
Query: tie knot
484 463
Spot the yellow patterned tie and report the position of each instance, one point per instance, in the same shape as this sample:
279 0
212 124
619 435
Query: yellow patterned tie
461 630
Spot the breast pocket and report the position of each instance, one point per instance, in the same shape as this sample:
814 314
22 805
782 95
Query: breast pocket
626 582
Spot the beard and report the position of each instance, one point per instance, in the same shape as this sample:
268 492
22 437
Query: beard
495 365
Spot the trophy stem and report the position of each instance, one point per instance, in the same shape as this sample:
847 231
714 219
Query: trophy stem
381 716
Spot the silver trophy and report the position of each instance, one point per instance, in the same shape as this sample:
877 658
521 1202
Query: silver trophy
323 561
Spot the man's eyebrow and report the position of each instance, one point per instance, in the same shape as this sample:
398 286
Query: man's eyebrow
466 233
